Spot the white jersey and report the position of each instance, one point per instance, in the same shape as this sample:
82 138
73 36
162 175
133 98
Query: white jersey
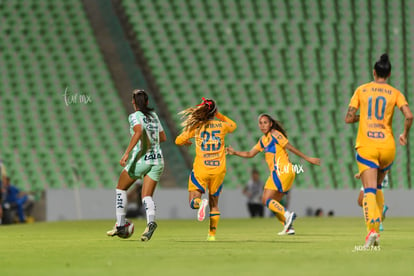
147 150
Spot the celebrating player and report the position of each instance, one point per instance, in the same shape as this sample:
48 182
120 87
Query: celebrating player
146 162
208 127
274 143
375 144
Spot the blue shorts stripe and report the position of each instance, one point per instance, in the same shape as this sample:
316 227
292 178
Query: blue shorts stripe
218 191
276 180
366 162
195 182
370 190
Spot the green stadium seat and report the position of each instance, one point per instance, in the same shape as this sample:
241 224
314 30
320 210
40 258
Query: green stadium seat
287 58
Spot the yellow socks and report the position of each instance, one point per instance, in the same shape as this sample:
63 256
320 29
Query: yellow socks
276 208
372 214
380 201
214 219
195 203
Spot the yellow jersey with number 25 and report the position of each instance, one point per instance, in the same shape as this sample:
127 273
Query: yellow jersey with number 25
210 144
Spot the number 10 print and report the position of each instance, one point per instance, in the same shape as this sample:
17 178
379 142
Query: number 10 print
380 103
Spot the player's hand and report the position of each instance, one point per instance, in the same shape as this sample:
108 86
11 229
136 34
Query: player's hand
124 159
230 150
188 143
357 176
314 161
403 140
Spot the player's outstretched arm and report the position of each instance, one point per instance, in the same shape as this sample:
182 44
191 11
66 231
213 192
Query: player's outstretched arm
312 160
351 116
244 154
407 124
134 140
184 139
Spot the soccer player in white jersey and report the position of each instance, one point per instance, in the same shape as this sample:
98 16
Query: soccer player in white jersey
143 158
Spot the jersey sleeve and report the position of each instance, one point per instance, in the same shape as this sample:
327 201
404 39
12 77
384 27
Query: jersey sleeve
355 99
280 139
133 120
259 146
184 137
401 101
160 128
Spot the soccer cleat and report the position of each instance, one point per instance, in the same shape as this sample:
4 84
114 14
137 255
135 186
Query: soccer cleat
149 230
377 240
211 238
372 239
290 231
289 218
120 231
201 214
381 227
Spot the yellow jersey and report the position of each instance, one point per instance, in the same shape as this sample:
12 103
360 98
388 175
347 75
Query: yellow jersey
376 102
210 144
273 144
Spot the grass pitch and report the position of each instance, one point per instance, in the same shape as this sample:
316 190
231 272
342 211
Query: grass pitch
322 246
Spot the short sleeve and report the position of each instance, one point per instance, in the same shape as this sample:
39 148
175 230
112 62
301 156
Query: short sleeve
355 99
401 101
280 139
133 120
259 146
160 128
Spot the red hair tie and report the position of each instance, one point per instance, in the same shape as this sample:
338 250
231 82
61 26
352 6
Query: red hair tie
205 102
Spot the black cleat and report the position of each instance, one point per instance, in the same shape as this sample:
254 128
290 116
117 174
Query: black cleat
149 230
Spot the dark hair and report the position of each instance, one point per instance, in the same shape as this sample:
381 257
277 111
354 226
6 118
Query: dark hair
383 66
275 124
140 98
199 115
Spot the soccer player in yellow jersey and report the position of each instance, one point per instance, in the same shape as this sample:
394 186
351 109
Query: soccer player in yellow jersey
375 144
274 143
208 127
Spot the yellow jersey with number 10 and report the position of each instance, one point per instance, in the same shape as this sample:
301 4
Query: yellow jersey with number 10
376 102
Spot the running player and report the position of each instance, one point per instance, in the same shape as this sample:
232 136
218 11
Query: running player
274 143
375 143
146 161
208 127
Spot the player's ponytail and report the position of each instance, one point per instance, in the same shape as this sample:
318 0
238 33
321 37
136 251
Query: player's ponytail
275 124
140 98
199 115
383 66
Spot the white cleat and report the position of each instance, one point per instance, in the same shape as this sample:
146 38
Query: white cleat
290 231
372 239
290 217
201 214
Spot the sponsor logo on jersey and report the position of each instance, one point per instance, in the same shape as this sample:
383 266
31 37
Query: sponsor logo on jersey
152 156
